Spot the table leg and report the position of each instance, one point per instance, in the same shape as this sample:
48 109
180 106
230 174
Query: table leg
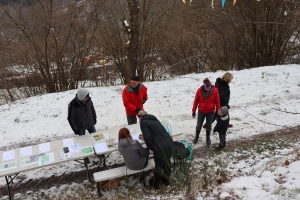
8 189
87 168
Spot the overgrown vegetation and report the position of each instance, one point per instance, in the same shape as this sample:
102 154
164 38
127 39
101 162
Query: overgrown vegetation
52 46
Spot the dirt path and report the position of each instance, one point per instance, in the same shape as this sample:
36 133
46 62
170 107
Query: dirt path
21 185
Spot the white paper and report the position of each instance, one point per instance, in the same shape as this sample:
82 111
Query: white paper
101 147
26 151
68 142
64 156
44 147
136 137
9 155
74 148
132 131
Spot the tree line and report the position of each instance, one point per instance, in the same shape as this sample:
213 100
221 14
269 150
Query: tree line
44 44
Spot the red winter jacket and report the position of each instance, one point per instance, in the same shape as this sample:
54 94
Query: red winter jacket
207 105
131 100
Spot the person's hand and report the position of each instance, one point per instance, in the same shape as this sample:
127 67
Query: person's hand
137 110
228 106
194 114
141 137
95 121
143 101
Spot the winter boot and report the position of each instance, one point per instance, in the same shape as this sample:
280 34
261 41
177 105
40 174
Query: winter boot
197 136
165 181
208 137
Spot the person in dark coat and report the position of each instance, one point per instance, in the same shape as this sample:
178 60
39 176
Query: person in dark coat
160 142
222 126
81 113
135 156
134 96
224 92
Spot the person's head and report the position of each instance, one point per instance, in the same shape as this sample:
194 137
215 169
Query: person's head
141 114
207 84
227 77
124 133
134 81
83 94
223 111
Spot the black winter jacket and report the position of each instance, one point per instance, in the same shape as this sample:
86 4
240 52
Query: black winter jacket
224 91
222 125
81 115
155 135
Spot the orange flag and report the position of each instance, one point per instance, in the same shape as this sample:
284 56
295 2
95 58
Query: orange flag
234 1
184 1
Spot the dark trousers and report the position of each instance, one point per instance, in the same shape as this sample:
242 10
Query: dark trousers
201 117
131 119
162 162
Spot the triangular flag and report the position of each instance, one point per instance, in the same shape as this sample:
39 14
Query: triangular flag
212 4
184 1
191 1
223 3
234 1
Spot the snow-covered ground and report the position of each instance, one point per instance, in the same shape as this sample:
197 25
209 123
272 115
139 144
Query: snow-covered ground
257 96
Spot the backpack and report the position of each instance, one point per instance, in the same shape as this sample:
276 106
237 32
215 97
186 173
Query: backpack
180 151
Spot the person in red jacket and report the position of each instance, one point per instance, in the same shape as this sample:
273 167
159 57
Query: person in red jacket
208 101
134 95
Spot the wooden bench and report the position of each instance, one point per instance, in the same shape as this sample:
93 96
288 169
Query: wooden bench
120 172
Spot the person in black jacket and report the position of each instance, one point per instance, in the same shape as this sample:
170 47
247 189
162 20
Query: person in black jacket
224 92
160 142
222 126
81 113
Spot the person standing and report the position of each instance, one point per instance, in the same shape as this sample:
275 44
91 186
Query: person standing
134 95
81 113
224 92
135 156
222 126
207 100
159 141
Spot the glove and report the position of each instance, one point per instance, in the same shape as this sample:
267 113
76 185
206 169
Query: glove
194 114
228 106
95 121
137 110
143 101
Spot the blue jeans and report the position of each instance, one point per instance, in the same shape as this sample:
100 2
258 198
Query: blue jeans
90 130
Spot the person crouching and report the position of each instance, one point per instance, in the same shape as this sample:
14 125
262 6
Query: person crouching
222 125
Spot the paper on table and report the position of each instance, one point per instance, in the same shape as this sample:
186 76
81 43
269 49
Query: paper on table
132 130
46 159
44 147
136 137
101 147
87 150
68 142
64 156
25 162
9 155
74 148
8 165
26 151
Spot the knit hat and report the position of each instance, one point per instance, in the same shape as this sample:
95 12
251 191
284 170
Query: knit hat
142 113
223 111
135 78
82 93
206 81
